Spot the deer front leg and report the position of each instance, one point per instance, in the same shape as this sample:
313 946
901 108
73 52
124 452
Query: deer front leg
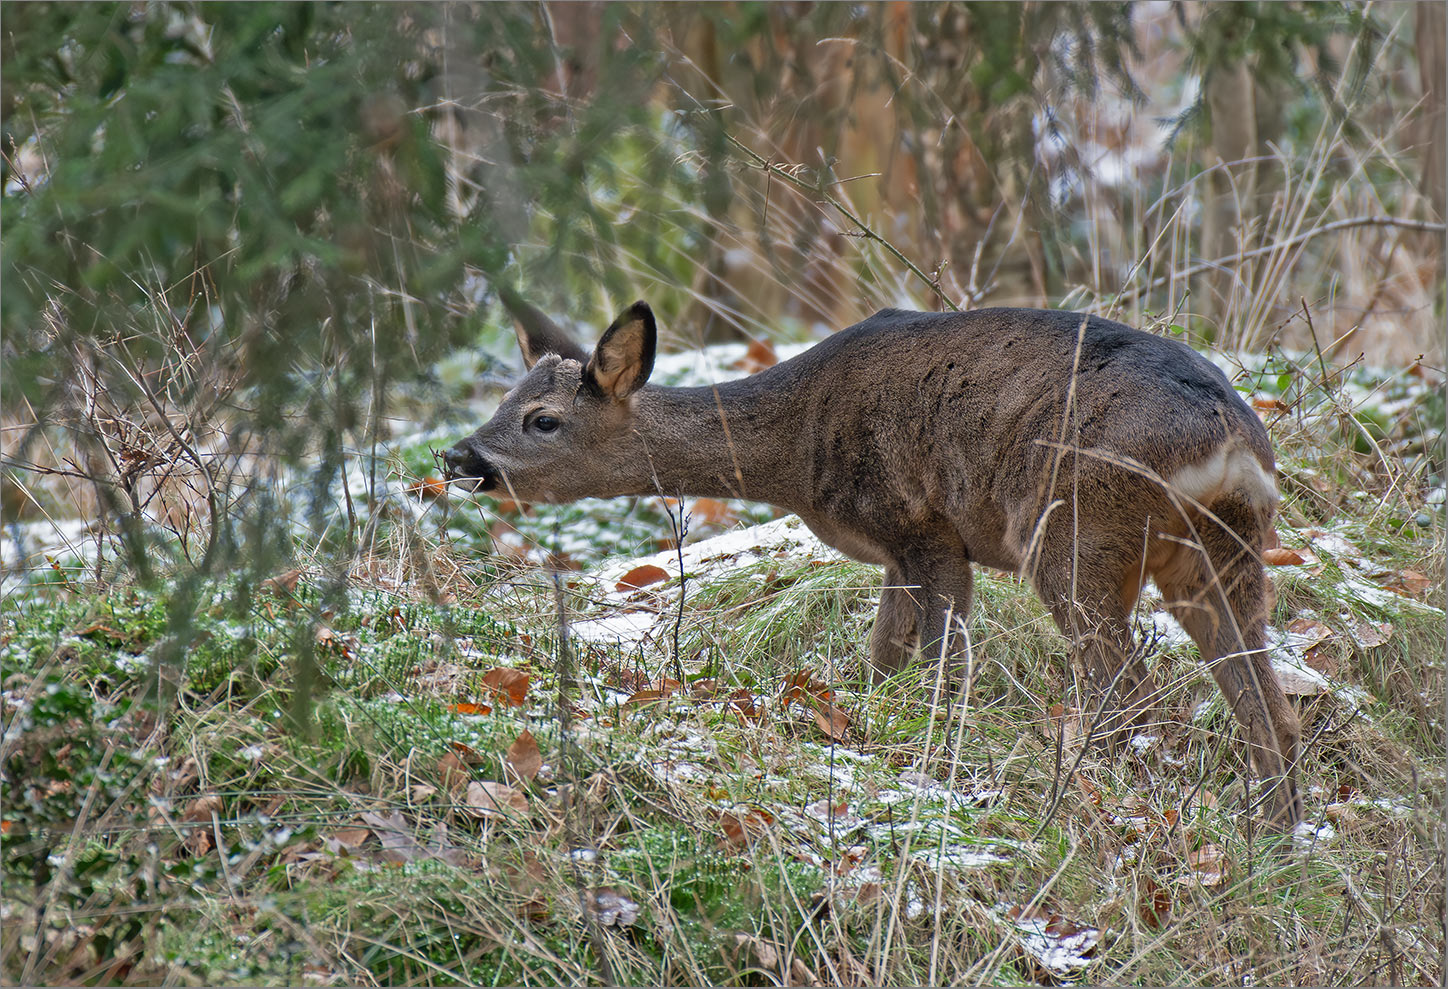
893 638
920 611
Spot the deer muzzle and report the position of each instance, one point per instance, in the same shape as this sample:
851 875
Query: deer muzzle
469 469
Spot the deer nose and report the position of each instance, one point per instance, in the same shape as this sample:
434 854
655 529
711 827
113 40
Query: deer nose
462 462
459 459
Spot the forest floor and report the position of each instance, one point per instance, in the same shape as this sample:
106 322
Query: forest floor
543 746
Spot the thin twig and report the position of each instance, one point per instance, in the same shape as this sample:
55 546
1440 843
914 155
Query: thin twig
1422 226
769 167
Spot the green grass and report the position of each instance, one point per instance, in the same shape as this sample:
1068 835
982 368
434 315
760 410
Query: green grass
199 840
168 817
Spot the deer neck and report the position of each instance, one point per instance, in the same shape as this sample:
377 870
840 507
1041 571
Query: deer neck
738 439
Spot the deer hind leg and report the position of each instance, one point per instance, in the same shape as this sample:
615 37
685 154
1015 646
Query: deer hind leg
1218 590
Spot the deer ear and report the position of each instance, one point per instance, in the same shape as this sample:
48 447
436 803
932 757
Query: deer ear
624 358
537 334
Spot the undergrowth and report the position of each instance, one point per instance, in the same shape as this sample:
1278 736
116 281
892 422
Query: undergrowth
180 826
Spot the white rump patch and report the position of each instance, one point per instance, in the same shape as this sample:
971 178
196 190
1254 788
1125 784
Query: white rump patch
1232 468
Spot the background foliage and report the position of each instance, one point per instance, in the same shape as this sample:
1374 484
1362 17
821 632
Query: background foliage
253 256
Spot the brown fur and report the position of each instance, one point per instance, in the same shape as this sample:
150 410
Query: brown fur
1081 453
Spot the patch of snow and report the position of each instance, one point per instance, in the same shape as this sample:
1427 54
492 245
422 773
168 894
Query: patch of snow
1169 631
1061 947
1336 546
1306 835
1381 597
1298 680
963 857
624 628
713 364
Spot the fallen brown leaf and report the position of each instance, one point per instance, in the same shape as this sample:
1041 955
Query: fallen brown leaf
742 700
1370 635
453 771
712 511
641 576
507 685
495 800
645 697
467 753
523 758
283 584
766 955
757 357
1154 906
612 909
351 837
826 810
743 827
1408 583
1282 557
202 808
1210 865
831 720
398 844
431 488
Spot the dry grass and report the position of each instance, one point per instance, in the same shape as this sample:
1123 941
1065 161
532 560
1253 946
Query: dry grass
346 853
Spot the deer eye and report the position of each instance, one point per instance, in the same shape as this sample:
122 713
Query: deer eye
545 424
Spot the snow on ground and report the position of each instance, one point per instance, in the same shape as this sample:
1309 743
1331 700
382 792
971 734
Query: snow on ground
633 614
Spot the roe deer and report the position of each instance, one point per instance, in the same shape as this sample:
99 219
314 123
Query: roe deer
1078 452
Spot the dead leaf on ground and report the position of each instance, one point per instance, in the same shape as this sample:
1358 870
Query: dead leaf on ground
1370 635
640 577
398 844
804 684
201 809
465 707
831 720
1210 866
507 685
800 974
351 837
712 511
611 908
488 800
742 700
1154 906
1321 660
467 753
431 488
1310 632
759 355
1283 557
283 584
766 954
453 771
742 827
826 810
523 758
645 698
1407 583
329 641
